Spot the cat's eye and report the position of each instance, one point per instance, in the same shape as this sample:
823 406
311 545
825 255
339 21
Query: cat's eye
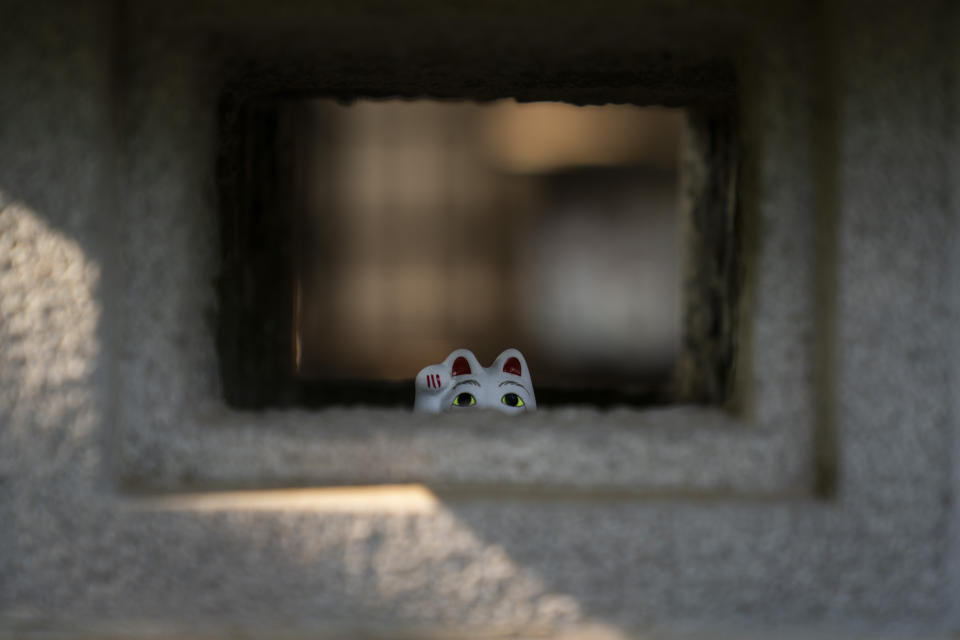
512 400
464 400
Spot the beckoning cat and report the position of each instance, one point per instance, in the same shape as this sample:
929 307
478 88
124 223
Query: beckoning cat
460 383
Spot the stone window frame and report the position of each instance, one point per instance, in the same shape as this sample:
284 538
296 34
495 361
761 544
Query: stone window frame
176 431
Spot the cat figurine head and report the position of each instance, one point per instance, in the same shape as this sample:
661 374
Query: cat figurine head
459 383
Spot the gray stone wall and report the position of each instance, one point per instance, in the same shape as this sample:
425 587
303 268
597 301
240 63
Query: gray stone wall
134 503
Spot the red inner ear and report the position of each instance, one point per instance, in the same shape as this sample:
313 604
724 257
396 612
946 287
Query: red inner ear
512 365
460 367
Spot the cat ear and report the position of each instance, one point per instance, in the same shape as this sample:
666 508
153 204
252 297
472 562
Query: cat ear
511 361
462 362
460 367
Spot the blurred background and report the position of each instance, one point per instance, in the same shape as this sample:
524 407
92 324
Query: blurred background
423 226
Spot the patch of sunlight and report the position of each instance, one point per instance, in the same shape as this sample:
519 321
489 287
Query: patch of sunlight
412 498
48 319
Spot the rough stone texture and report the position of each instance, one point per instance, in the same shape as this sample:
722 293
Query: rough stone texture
107 367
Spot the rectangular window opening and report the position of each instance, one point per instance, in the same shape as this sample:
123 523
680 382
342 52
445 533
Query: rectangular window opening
364 240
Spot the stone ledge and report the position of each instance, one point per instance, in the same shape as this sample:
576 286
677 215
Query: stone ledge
675 449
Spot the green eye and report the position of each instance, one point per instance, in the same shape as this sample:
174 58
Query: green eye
464 400
512 400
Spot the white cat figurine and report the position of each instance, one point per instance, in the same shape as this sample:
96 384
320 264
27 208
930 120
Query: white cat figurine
460 383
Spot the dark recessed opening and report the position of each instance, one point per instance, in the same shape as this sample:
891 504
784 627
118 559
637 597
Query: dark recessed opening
364 240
